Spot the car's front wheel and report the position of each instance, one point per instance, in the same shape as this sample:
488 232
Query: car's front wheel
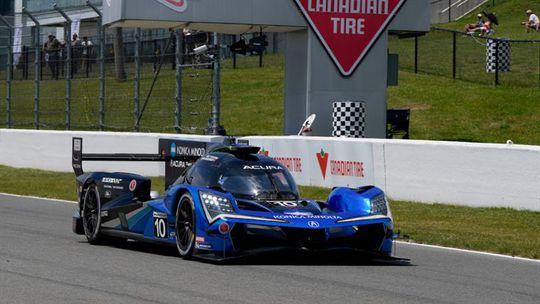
185 226
91 214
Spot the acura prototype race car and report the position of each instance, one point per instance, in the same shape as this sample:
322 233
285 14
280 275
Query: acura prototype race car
225 201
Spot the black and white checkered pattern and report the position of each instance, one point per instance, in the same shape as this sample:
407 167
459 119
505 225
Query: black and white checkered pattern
504 55
349 119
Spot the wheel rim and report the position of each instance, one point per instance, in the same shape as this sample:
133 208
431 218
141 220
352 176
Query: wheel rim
91 213
185 227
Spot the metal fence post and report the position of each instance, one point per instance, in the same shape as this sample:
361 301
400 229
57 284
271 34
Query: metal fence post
454 51
416 54
68 67
178 54
9 71
101 38
496 62
37 63
216 88
449 10
136 98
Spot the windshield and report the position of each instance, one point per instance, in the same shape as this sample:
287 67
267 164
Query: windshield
259 183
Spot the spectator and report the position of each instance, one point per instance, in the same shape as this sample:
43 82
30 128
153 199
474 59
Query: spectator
532 23
484 29
51 48
471 26
76 54
86 52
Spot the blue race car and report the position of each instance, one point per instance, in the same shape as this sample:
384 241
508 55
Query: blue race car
225 201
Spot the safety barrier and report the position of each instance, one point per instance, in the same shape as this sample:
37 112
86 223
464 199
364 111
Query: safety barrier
480 175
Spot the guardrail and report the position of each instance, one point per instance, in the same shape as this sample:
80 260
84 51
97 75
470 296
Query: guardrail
472 174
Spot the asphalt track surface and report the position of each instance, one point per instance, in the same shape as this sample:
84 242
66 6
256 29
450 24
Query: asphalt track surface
42 261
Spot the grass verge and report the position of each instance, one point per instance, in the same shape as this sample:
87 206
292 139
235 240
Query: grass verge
498 230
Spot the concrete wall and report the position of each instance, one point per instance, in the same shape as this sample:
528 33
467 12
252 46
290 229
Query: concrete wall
51 150
480 175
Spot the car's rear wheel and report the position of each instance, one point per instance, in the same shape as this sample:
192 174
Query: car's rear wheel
185 226
91 214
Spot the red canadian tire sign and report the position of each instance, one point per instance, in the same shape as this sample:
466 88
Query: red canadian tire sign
348 28
177 5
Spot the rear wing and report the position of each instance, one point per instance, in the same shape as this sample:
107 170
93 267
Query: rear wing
177 155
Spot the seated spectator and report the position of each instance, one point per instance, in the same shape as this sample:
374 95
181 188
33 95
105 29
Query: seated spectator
533 23
485 29
471 26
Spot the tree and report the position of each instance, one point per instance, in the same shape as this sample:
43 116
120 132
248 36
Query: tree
119 57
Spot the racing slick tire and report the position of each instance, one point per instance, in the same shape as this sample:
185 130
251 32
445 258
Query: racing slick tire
185 226
91 215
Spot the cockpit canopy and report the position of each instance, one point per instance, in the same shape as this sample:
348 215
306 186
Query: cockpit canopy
252 176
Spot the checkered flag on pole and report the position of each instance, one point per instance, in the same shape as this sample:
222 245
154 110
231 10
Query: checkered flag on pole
349 119
497 49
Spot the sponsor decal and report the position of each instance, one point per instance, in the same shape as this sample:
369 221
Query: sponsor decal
159 214
77 145
259 167
308 217
111 180
285 204
264 152
132 185
176 5
205 246
173 150
104 213
115 187
348 29
313 224
200 243
108 194
177 164
322 158
186 151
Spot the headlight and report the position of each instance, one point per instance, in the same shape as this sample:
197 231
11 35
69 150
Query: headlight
215 205
379 205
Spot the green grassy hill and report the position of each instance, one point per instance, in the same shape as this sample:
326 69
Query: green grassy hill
510 14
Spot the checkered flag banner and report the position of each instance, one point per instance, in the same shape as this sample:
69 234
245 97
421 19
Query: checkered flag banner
503 54
349 119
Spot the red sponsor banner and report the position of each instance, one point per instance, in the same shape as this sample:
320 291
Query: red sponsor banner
348 28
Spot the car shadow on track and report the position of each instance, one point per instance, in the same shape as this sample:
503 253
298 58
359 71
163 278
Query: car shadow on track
292 258
301 258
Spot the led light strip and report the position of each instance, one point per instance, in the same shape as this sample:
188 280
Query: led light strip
362 219
246 217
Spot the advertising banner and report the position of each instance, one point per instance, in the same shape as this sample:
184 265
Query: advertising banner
321 162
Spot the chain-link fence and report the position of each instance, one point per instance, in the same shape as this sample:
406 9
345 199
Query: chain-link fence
453 54
111 78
